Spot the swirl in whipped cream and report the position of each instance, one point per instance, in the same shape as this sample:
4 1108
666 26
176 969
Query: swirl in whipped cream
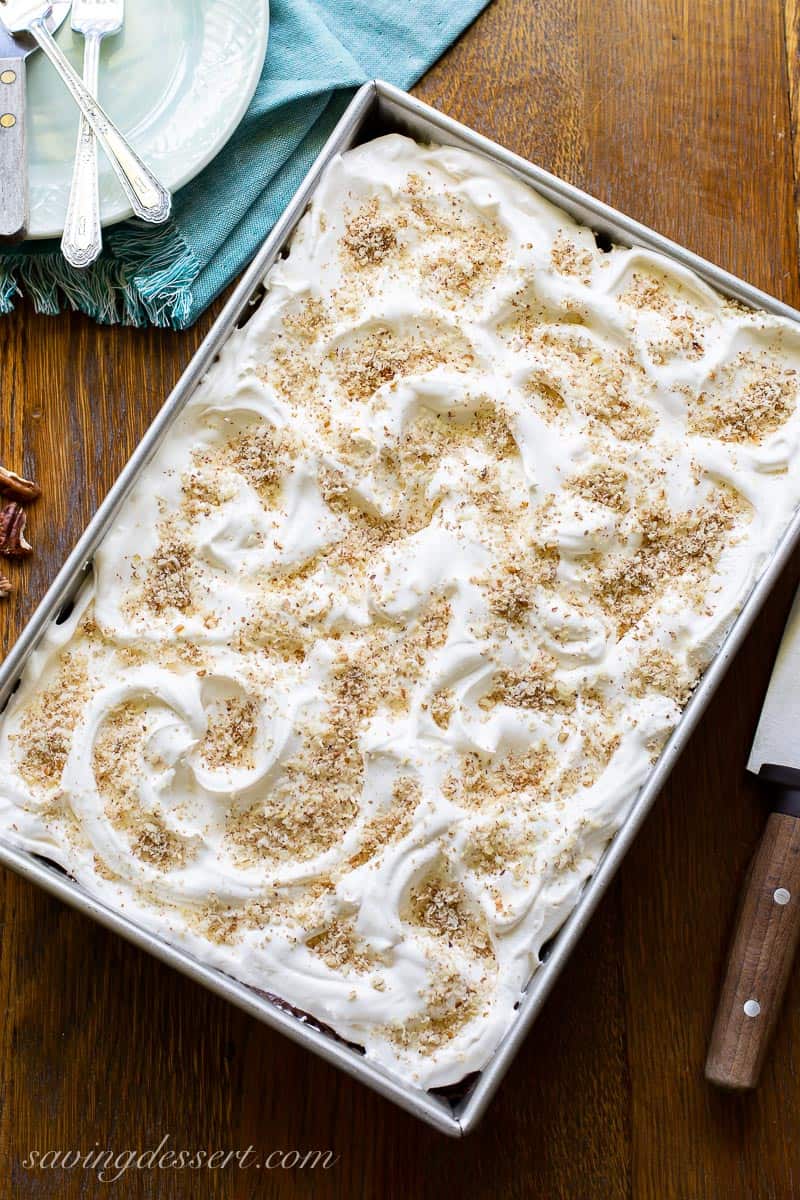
381 648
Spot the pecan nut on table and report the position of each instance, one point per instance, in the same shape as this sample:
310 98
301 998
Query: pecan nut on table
15 493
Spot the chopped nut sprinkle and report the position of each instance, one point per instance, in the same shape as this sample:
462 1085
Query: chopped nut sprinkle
388 634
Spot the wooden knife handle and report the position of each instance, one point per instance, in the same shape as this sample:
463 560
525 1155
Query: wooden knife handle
760 958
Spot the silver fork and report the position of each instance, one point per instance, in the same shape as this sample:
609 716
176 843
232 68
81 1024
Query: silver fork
148 198
82 240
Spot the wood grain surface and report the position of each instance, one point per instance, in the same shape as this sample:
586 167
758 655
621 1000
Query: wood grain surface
683 113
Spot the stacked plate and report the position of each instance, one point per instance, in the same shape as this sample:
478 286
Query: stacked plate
177 80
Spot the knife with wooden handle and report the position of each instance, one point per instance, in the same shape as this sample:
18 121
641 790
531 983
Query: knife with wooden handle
768 921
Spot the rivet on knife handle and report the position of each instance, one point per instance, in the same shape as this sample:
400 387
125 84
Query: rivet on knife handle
82 240
760 958
13 157
148 198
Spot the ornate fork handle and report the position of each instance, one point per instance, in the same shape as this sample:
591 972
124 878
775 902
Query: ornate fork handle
149 199
83 239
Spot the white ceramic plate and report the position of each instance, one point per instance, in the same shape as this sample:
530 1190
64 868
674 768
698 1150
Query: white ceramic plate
177 81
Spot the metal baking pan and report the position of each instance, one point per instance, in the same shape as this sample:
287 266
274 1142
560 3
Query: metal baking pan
379 108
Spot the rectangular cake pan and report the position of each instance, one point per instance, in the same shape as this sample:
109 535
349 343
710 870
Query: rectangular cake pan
380 108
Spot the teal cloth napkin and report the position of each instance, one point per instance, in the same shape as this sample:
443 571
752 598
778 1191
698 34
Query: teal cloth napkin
319 51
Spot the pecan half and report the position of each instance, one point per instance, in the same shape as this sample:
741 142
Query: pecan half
5 587
13 543
12 484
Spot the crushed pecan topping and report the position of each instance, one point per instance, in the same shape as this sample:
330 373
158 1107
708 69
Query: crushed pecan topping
13 543
13 485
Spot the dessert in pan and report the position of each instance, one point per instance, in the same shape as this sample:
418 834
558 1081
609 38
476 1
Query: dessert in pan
390 632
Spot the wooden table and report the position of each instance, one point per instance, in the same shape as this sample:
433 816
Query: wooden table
683 115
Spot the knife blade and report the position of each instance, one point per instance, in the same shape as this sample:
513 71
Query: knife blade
777 739
14 49
10 47
767 927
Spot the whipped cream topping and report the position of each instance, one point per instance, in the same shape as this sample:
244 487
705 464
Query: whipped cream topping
388 636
